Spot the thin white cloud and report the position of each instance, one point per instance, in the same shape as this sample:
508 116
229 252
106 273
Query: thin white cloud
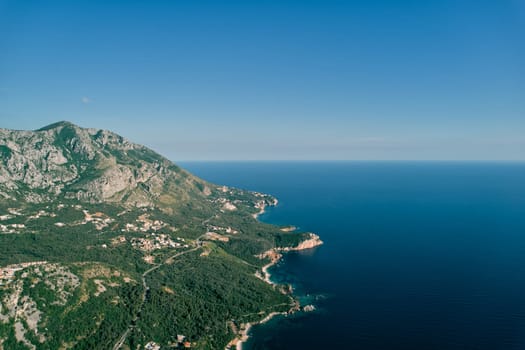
85 100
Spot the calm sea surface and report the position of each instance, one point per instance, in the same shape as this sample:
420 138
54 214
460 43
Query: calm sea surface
416 255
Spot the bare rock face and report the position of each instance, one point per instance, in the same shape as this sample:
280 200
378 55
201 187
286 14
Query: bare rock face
312 242
93 165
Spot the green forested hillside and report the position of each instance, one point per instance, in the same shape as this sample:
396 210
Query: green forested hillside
105 244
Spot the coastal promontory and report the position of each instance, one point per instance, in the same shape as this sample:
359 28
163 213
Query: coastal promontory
108 245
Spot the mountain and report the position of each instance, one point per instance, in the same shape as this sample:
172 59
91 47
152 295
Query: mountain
64 160
108 245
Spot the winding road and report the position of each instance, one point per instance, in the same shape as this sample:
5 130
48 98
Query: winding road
145 286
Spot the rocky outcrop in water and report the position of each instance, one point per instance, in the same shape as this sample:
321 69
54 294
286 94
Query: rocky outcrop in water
312 242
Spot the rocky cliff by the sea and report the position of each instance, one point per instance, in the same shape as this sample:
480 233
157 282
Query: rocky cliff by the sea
86 216
309 243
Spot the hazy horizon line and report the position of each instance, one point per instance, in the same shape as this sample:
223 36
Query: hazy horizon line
352 160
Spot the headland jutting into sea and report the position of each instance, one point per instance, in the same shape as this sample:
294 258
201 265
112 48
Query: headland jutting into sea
275 255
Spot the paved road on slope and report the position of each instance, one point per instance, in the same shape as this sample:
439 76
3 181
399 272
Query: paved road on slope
145 286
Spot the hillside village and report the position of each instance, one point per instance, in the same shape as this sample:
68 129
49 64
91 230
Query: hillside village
109 245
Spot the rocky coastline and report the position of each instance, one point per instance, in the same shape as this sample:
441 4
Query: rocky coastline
275 255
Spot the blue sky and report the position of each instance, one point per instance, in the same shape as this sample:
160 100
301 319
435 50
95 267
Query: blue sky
222 80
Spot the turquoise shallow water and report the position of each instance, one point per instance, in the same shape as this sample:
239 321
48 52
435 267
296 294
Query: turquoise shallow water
416 255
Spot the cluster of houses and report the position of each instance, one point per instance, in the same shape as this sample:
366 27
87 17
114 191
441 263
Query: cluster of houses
156 242
144 224
14 211
10 228
260 205
100 220
180 343
225 189
226 204
41 213
152 346
6 217
228 230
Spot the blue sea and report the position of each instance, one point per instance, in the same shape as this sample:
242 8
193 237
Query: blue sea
417 255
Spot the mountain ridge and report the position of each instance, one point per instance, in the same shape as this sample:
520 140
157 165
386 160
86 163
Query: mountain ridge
107 244
89 164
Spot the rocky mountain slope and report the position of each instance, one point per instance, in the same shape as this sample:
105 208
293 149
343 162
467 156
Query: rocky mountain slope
64 160
107 245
